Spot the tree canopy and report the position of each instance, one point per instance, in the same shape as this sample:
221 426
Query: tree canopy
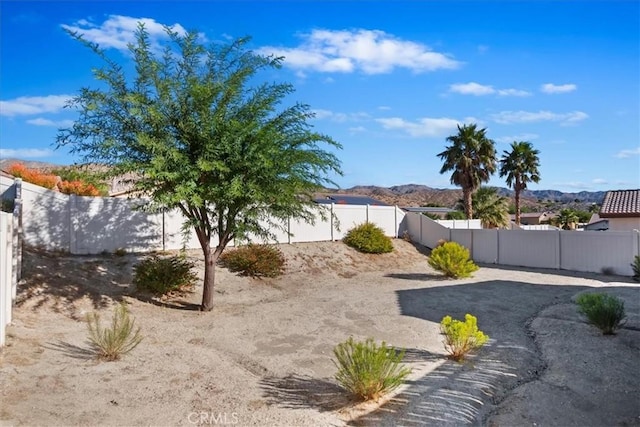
472 158
520 166
202 135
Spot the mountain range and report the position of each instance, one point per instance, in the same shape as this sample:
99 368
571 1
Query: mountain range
423 195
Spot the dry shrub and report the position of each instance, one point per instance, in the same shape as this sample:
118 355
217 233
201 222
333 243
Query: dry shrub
368 238
163 275
33 176
602 310
254 260
78 188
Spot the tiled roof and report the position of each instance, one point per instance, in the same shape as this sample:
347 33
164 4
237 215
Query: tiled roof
621 203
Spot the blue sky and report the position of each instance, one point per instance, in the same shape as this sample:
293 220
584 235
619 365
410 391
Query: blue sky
388 80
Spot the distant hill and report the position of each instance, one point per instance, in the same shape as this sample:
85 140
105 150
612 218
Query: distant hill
420 195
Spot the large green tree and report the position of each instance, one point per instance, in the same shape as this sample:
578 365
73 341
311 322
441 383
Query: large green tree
520 166
489 207
202 135
472 158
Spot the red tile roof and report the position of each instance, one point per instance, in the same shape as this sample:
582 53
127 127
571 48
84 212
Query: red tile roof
621 203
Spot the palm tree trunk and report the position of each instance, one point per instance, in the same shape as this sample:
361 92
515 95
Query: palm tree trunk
517 206
468 207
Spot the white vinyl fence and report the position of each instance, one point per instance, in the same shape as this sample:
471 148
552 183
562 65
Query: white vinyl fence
10 261
557 249
91 225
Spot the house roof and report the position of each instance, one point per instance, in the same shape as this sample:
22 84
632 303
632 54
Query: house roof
428 209
346 199
621 204
532 215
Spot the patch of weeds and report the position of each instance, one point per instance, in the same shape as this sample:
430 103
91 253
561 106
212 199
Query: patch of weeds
603 311
120 338
368 370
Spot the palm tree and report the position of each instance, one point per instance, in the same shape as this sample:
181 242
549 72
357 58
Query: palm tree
472 158
491 208
566 219
520 166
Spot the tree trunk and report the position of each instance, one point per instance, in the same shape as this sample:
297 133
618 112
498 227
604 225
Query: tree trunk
517 206
468 207
210 259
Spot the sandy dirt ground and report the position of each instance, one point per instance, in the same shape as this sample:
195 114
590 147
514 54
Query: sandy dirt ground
263 357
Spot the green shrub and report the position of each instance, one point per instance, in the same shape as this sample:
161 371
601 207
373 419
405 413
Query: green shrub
602 310
254 260
462 337
111 343
163 275
636 268
368 238
367 370
452 259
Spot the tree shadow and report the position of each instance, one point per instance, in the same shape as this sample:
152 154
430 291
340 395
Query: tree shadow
72 350
173 303
422 277
302 391
465 393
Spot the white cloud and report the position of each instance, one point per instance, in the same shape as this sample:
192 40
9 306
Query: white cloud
513 92
471 88
552 89
368 51
24 153
339 117
425 127
118 31
508 117
29 105
519 137
384 108
628 153
357 129
54 123
477 89
599 181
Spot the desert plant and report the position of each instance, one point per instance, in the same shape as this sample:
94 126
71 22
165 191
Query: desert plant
452 259
636 268
367 370
33 176
368 238
462 337
119 339
162 275
78 188
254 260
602 310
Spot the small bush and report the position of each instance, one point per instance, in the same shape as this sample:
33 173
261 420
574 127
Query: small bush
452 259
78 188
368 238
111 343
254 260
636 268
367 370
163 275
33 176
462 337
602 310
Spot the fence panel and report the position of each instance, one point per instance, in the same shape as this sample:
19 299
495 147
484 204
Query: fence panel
347 217
45 218
432 232
321 231
485 246
595 251
522 248
463 237
411 224
467 224
6 272
385 218
106 224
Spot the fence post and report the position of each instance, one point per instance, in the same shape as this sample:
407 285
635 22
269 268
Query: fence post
559 250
